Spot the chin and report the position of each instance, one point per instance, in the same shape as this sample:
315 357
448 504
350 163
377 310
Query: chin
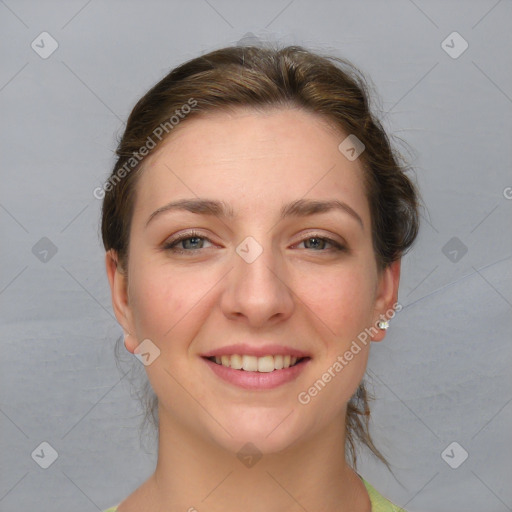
269 431
253 442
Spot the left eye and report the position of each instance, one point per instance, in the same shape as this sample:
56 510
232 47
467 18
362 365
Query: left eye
318 243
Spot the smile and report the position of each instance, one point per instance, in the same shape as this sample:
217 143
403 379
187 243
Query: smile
248 363
257 373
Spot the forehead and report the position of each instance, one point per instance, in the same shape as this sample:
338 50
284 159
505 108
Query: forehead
252 159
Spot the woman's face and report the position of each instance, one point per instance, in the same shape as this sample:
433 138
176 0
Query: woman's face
266 265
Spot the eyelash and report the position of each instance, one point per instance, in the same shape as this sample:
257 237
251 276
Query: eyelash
172 244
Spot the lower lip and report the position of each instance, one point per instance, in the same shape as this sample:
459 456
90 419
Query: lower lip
257 380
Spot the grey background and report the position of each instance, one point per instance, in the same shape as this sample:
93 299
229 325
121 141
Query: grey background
443 373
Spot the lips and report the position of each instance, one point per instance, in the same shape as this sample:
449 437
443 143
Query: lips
255 380
257 367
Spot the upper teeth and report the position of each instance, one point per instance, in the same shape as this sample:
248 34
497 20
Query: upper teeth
256 364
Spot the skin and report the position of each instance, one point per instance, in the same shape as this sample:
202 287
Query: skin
299 292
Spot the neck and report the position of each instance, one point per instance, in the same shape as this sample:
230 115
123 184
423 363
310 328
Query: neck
193 474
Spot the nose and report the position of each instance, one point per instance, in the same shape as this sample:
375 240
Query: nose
257 291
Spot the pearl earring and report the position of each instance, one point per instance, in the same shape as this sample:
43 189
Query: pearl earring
383 324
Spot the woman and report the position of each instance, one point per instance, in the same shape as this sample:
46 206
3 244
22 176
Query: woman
254 224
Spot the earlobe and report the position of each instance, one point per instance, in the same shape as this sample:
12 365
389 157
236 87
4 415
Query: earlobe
119 294
387 299
130 343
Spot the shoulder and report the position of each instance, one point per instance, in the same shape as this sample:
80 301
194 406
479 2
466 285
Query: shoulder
379 502
112 509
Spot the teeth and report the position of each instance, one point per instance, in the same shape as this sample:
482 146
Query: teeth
235 363
250 363
266 364
263 364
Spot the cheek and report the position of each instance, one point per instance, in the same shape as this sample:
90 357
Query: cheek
342 308
159 300
170 303
342 299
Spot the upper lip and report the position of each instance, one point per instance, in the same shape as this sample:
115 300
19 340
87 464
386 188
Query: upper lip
258 351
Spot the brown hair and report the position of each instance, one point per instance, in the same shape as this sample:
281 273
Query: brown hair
262 78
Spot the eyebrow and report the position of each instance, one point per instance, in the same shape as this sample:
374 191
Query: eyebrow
299 208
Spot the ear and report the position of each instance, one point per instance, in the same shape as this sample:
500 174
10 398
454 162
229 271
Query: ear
387 296
117 279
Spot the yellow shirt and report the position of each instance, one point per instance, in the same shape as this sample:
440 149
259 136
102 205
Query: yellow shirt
379 503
